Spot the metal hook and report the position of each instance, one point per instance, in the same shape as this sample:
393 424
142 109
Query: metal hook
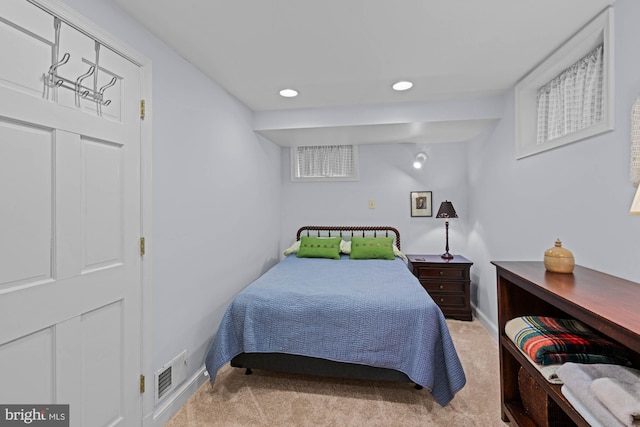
105 87
108 85
82 77
64 60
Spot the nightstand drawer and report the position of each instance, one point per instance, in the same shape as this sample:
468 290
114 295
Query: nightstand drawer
437 272
449 301
444 287
447 281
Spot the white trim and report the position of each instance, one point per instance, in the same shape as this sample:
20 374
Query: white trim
598 30
146 183
484 320
178 398
92 30
635 205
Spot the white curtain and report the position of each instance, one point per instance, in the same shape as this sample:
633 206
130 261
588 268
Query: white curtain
635 142
325 161
573 100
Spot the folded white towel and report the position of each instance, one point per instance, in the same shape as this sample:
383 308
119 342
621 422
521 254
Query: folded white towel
621 396
581 408
577 378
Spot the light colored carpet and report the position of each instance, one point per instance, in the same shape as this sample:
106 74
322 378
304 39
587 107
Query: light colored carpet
277 399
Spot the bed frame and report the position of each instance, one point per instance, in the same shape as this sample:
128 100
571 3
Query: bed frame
349 231
315 366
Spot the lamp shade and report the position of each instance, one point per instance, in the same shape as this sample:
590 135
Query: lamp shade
446 210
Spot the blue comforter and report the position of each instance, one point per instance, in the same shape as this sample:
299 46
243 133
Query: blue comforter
371 312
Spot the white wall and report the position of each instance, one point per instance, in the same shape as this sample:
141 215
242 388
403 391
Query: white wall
215 185
386 173
580 193
387 177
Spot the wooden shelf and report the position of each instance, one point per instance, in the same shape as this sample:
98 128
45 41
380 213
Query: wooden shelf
603 302
552 390
517 414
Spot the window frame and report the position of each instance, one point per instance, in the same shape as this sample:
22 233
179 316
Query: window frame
598 31
293 155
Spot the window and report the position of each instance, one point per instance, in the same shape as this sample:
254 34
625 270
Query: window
573 100
569 96
324 163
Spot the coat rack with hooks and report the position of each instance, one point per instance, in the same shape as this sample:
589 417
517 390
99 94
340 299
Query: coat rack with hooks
53 79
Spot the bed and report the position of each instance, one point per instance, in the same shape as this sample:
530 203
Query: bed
336 316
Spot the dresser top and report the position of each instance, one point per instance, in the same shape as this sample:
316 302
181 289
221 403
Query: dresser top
602 300
437 259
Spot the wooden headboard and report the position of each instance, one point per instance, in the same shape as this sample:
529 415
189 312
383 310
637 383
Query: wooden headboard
344 231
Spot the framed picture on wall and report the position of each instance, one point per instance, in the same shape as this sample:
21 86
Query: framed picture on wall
421 203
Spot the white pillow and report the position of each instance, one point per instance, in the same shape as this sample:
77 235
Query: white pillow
399 254
292 249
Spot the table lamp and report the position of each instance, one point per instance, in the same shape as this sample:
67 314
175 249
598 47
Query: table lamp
446 211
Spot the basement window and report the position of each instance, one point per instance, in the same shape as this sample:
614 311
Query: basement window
569 96
573 100
324 163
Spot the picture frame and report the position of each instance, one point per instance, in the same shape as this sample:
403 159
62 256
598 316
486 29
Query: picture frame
421 204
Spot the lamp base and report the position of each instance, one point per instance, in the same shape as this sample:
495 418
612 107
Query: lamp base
446 255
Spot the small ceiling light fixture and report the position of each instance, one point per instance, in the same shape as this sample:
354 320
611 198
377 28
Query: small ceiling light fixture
288 93
419 160
402 85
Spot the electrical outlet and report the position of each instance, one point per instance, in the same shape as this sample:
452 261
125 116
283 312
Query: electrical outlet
372 204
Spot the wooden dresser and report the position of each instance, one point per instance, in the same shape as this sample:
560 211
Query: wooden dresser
447 281
606 303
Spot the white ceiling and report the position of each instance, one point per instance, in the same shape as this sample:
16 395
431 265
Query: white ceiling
348 53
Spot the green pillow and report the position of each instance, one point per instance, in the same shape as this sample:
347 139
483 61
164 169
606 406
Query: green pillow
372 248
315 247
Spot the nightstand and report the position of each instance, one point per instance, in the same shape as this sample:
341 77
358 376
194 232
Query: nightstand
448 281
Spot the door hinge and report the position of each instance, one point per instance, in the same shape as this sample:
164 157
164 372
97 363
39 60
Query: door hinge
141 246
142 109
141 383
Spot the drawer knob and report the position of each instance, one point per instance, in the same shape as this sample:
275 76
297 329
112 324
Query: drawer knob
441 286
441 299
442 273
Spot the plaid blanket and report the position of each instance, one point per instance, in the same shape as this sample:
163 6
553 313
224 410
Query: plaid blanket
548 340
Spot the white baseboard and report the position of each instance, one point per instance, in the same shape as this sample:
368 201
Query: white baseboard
488 325
163 412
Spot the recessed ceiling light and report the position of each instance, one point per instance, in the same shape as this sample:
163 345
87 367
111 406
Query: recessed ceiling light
288 93
402 85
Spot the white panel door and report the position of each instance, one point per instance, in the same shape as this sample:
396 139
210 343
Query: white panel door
70 204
